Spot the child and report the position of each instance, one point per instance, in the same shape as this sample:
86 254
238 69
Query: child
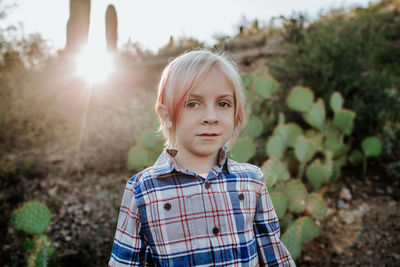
195 206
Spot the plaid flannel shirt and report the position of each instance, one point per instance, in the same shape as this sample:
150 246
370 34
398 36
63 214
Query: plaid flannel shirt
183 219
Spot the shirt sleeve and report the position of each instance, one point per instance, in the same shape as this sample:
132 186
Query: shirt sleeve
271 250
128 248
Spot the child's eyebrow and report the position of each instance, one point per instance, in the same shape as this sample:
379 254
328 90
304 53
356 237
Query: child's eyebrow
201 96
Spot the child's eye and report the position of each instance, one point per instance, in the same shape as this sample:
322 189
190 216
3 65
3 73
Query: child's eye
192 104
224 104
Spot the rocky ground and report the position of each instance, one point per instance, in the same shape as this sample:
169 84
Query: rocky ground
362 227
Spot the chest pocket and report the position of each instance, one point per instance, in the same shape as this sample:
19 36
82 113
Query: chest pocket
243 206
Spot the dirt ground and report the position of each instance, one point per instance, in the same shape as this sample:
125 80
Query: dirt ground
364 231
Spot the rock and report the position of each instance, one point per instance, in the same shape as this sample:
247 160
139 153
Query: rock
341 204
345 194
349 216
396 256
330 212
53 191
87 207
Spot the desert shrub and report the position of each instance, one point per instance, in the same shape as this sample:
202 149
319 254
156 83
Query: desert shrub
350 51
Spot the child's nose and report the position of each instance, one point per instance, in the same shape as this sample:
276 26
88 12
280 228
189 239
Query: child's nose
210 116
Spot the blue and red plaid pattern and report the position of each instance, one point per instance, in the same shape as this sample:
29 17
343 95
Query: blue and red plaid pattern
183 219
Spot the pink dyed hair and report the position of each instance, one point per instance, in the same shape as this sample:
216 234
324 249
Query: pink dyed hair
181 75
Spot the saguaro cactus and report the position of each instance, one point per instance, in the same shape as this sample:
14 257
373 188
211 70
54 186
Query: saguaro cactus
111 28
78 24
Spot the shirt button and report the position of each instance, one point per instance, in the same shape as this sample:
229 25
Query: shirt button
215 231
207 185
167 206
241 196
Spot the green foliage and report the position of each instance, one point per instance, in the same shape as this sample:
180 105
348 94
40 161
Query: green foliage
316 206
243 150
43 253
300 99
296 193
275 146
317 174
371 146
344 120
316 115
32 217
336 101
304 149
354 52
280 203
274 170
146 151
254 127
266 87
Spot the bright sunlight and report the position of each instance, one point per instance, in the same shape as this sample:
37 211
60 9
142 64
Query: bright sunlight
94 64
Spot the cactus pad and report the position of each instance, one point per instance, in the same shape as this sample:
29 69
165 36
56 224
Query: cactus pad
32 217
43 252
300 99
292 242
274 170
336 101
371 146
317 174
254 127
296 193
344 120
356 157
266 87
293 131
337 147
316 206
304 149
306 229
275 146
138 157
330 130
247 79
243 150
151 139
315 116
280 203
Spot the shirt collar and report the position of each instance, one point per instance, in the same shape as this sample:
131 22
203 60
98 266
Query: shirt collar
165 163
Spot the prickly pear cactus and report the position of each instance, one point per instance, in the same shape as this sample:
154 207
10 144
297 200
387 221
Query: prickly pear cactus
43 253
300 99
296 193
243 150
344 120
336 101
371 146
276 146
317 174
315 116
274 170
316 206
280 203
254 127
138 157
266 86
32 217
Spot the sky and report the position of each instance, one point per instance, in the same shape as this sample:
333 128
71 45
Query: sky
151 22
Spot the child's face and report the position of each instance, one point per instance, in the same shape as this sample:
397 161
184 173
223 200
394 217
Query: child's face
206 122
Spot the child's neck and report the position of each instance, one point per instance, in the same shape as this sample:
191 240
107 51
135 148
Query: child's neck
197 164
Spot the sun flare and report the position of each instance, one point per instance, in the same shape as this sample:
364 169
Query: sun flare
94 64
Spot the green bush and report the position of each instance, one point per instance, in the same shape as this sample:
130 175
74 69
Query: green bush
350 51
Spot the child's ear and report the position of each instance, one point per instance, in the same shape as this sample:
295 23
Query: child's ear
163 112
